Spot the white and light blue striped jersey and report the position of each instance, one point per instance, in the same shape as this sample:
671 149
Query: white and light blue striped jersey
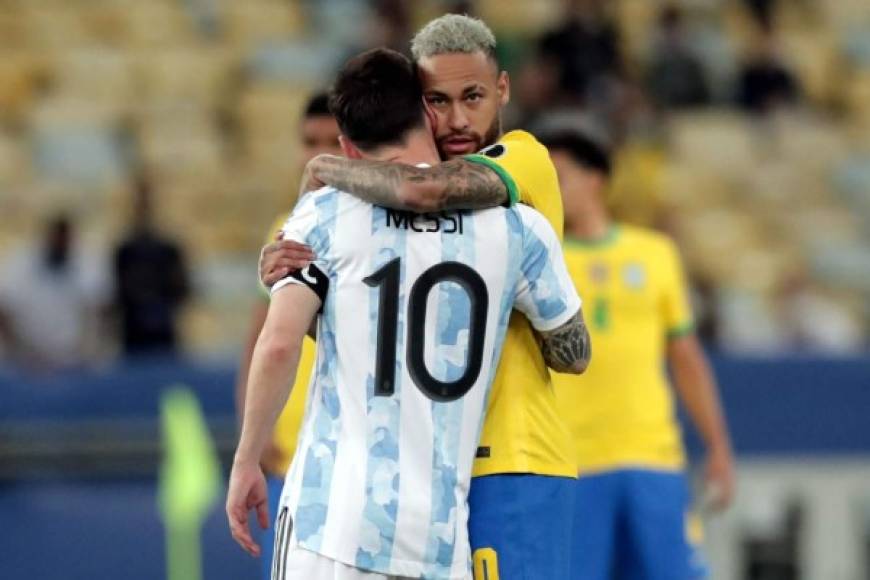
415 308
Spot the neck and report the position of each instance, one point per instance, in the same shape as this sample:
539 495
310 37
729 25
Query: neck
419 147
590 224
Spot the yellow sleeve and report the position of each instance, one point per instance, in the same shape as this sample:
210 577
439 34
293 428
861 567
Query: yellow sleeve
677 309
528 173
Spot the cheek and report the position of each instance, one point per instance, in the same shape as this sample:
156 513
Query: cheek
442 129
480 119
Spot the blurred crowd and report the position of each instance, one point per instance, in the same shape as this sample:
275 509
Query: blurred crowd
145 147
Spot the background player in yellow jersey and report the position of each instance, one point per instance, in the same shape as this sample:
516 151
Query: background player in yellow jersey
522 493
632 499
318 133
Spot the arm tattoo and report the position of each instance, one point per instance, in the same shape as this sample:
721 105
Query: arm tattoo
455 184
567 348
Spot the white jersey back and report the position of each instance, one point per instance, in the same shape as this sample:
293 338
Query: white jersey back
415 309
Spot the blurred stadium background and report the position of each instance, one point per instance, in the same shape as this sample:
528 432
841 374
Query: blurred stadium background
742 128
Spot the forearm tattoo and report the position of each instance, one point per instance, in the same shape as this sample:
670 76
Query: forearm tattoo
566 346
455 184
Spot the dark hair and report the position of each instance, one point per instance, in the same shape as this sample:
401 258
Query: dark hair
318 106
582 149
377 98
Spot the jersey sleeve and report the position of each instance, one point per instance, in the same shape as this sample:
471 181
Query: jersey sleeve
676 307
525 166
270 237
302 226
544 292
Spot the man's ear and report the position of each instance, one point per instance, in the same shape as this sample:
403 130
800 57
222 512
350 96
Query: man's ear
349 149
503 86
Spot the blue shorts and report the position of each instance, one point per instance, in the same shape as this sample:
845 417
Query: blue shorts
519 525
275 486
630 524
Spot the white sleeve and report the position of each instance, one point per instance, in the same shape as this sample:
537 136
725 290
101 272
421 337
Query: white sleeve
302 226
544 292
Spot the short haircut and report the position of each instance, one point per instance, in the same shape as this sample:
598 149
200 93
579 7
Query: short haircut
454 33
583 150
377 99
317 106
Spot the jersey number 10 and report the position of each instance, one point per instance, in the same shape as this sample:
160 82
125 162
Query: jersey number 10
386 279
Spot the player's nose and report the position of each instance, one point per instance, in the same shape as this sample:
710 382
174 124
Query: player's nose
457 120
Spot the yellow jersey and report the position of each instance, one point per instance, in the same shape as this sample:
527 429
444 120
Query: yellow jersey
286 432
522 432
621 411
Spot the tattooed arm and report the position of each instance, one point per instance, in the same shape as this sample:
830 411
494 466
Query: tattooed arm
567 349
454 184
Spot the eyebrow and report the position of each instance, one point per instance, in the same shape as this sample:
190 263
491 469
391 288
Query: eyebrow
475 87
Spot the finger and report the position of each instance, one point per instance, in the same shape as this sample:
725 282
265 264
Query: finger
249 546
272 248
292 263
290 259
272 277
242 535
293 246
295 251
279 235
239 529
263 514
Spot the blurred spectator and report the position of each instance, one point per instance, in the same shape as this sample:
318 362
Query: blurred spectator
585 48
392 25
762 11
816 321
765 336
52 299
675 76
152 282
765 82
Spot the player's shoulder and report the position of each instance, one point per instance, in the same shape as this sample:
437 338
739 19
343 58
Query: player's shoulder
516 141
519 136
648 239
526 213
529 220
318 196
326 203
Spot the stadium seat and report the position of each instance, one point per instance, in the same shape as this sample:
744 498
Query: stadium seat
18 78
519 16
254 22
720 141
75 139
817 61
156 24
100 75
198 75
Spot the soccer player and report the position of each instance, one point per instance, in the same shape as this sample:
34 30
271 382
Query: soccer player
522 494
411 313
632 498
318 133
